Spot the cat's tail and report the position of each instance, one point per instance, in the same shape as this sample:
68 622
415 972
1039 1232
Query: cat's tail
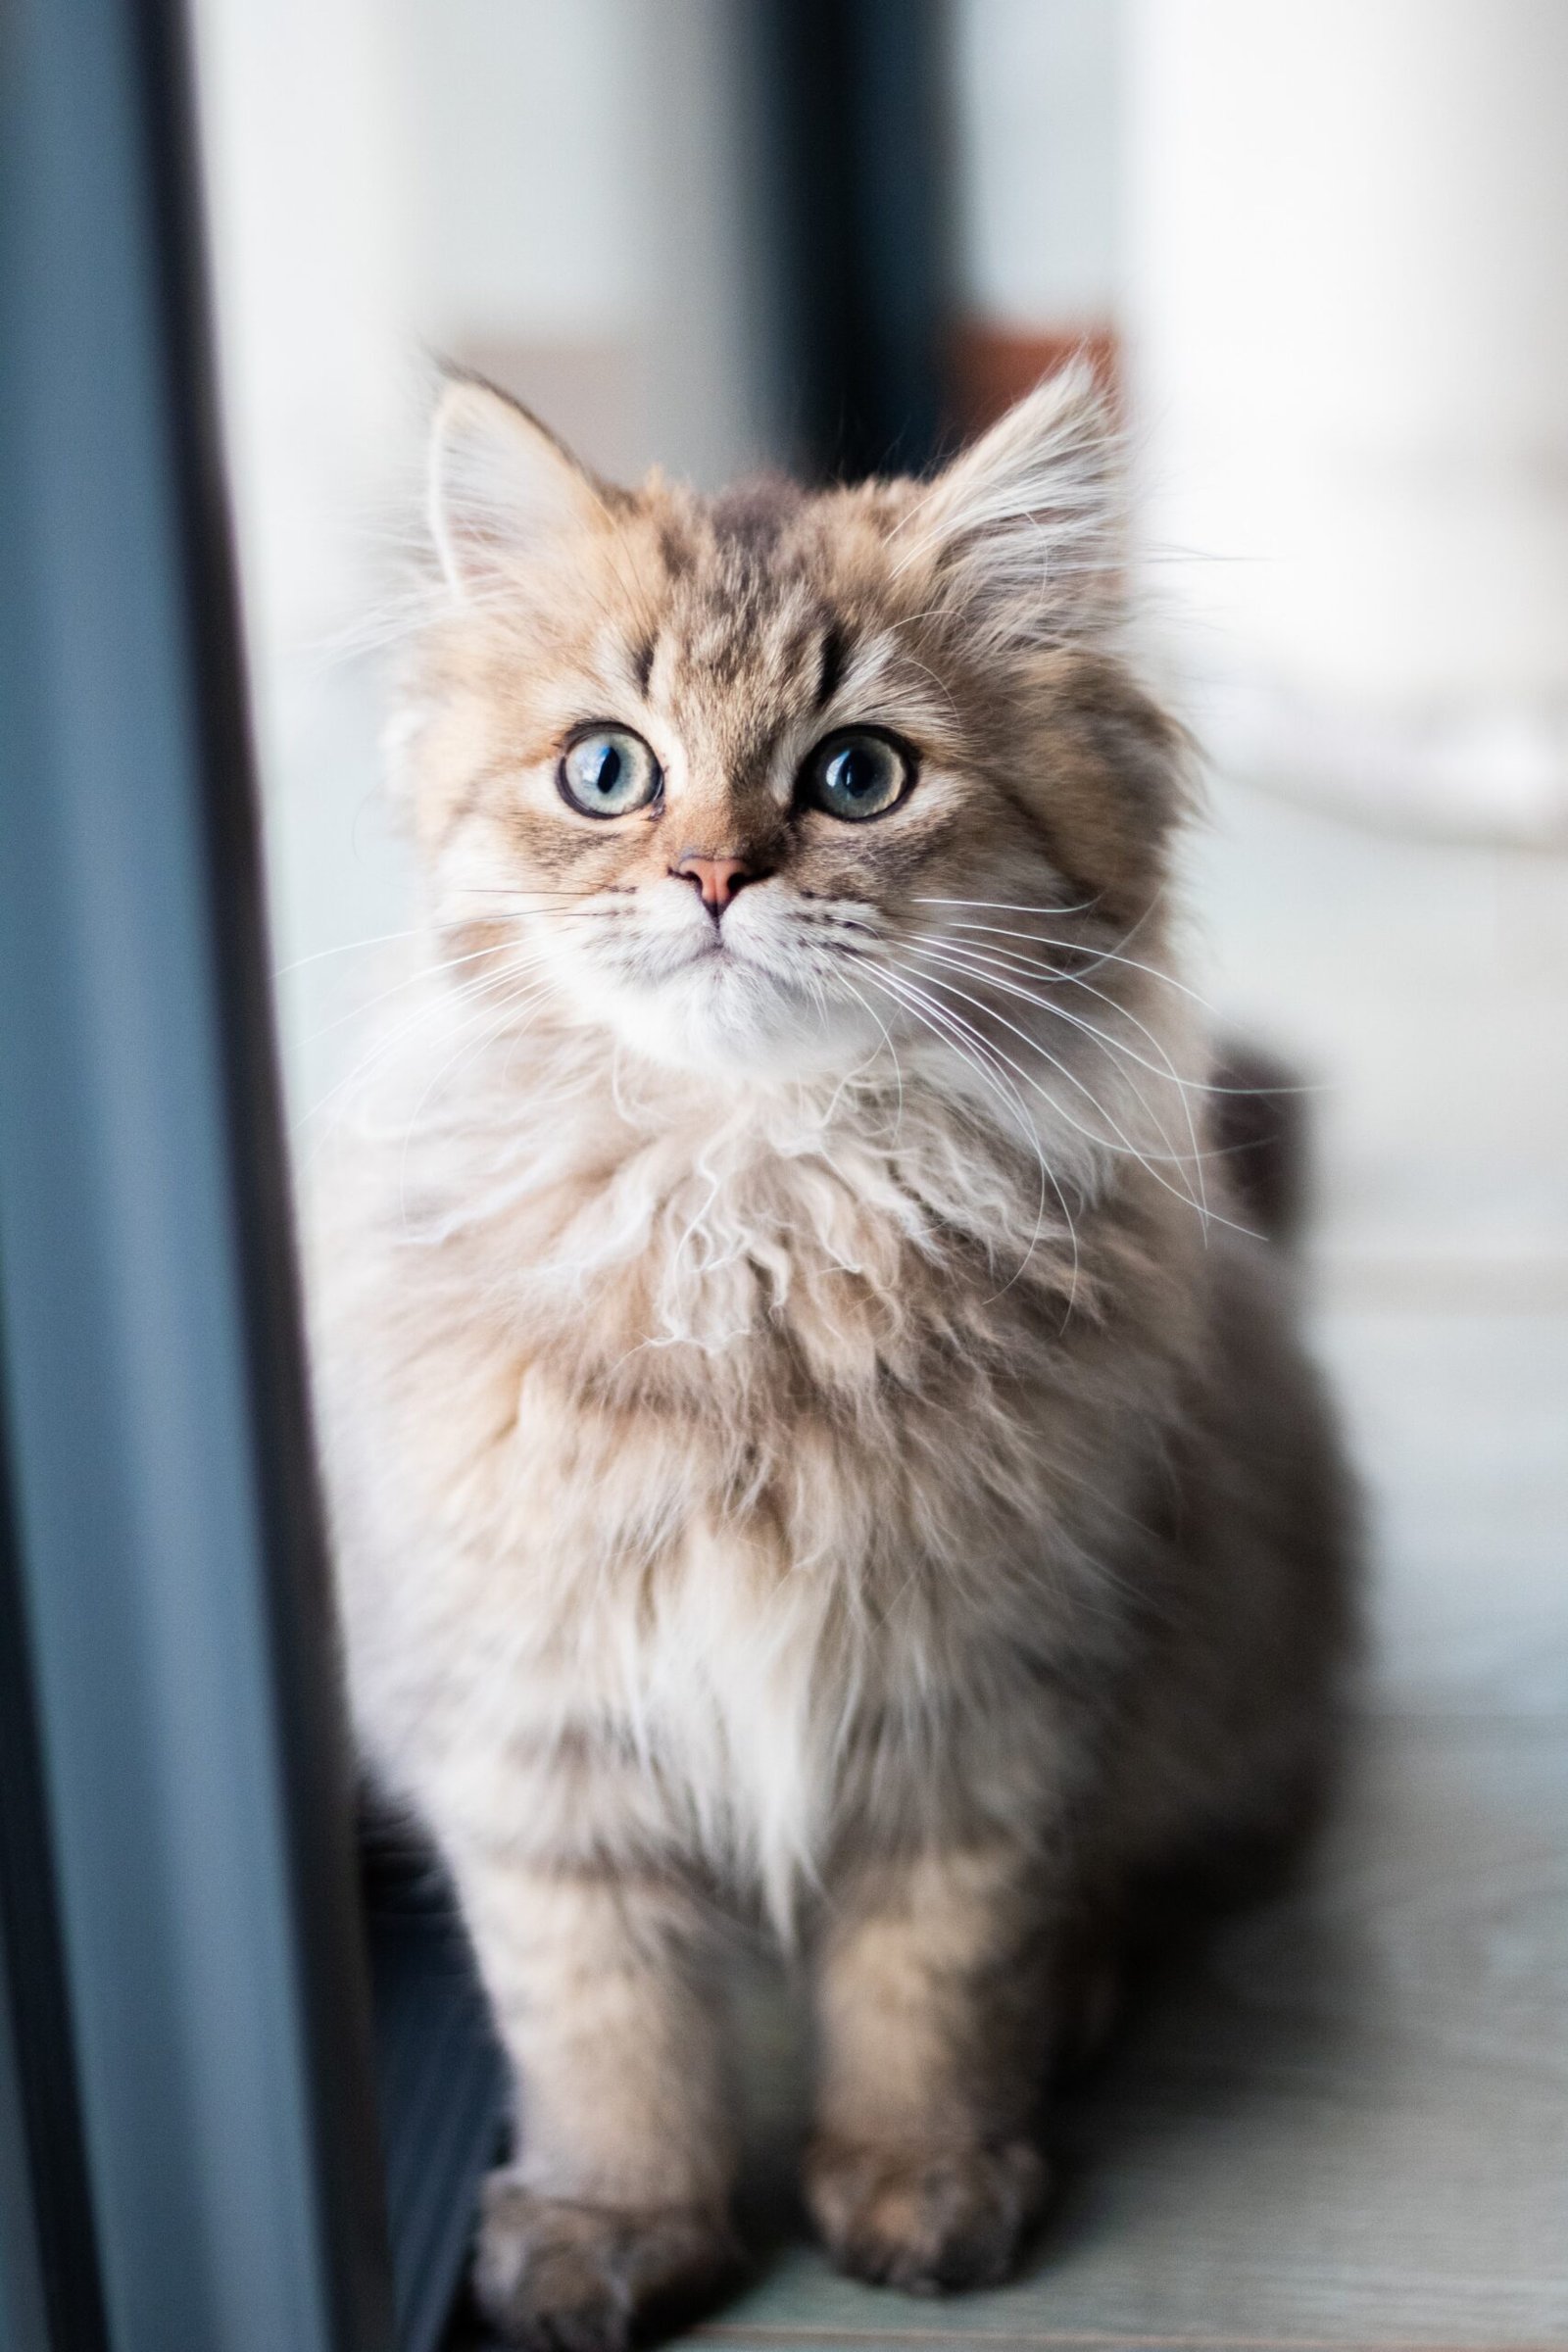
1261 1129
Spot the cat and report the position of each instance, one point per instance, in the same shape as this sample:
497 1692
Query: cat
813 1434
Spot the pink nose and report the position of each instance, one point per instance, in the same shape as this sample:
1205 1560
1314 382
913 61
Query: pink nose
716 879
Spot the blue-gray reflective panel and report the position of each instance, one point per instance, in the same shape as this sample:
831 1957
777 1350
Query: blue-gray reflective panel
159 1611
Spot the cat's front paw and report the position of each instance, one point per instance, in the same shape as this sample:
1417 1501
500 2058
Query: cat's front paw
927 2220
557 2277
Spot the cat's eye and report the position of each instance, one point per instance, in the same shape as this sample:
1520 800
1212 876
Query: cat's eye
609 771
856 775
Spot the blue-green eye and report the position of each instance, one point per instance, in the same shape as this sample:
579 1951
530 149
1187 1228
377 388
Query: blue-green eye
856 775
609 771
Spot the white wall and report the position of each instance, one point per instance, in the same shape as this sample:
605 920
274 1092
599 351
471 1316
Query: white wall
1037 112
520 120
310 232
1349 240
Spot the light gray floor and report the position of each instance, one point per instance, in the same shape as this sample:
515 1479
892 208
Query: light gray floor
1349 2124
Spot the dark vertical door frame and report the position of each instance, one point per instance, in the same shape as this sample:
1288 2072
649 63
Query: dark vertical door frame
49 2290
851 210
193 1774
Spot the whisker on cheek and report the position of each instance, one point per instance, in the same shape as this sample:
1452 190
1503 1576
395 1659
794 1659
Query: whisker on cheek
428 971
518 998
1050 908
1118 1143
981 971
957 1036
479 993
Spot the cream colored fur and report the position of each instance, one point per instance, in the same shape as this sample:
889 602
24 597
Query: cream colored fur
808 1433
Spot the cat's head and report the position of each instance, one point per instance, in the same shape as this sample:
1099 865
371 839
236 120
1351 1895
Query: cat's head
750 781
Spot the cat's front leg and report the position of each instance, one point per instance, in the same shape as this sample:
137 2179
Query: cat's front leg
931 1992
613 2211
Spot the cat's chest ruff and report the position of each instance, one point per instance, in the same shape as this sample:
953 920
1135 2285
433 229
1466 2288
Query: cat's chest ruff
713 1248
824 1250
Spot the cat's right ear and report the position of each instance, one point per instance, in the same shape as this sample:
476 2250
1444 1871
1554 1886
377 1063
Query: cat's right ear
1023 531
501 488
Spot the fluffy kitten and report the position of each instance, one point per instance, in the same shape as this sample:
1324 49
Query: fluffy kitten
808 1432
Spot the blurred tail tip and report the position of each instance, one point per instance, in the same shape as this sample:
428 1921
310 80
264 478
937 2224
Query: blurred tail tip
1260 1131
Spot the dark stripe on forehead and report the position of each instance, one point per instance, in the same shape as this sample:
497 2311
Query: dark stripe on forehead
642 660
833 656
676 550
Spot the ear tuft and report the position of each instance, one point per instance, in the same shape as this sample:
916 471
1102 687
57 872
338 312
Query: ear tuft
500 486
1024 530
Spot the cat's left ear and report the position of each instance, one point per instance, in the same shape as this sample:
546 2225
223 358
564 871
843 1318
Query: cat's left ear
1023 532
502 489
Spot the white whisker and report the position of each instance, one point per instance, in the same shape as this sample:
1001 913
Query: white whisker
952 1032
351 947
981 965
424 971
516 1002
1122 1140
441 1002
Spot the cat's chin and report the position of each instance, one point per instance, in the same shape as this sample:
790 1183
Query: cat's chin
735 1021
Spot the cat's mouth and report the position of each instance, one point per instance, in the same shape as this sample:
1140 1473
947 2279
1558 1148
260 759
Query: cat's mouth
709 958
715 949
722 970
752 1002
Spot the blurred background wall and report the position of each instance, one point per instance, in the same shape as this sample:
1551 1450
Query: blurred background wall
545 189
1318 252
1347 293
1324 249
1037 155
575 196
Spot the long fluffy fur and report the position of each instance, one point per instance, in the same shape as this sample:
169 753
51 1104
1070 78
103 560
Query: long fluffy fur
809 1432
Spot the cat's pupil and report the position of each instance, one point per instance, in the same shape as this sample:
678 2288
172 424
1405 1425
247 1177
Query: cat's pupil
609 775
856 774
